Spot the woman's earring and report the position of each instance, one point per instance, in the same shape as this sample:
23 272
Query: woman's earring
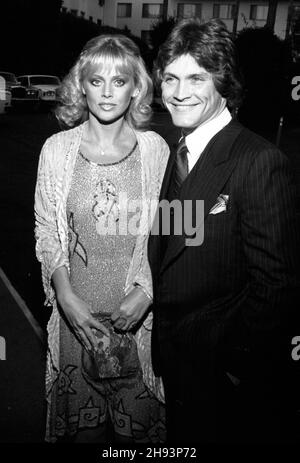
136 92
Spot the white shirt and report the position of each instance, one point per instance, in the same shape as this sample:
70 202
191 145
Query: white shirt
199 138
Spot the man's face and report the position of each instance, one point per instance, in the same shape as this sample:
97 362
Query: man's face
189 93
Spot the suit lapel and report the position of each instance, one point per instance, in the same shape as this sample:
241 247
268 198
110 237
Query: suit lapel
214 169
206 180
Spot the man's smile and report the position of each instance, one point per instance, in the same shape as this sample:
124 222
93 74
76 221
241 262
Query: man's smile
183 107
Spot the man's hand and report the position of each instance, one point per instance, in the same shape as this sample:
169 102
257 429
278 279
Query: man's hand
132 309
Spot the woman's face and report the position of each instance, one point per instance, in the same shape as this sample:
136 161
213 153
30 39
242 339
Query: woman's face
108 93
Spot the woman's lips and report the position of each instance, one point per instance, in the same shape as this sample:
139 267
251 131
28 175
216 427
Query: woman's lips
107 106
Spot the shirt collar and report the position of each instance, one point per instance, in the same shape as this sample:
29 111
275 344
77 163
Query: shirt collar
199 138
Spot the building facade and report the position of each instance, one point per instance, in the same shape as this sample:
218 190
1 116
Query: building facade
139 16
88 9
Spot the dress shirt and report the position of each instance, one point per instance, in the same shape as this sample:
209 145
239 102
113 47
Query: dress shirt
199 138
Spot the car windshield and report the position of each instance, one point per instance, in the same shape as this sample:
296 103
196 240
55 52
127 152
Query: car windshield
9 77
44 80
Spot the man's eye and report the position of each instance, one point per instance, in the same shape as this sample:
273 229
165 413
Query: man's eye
197 80
119 82
169 80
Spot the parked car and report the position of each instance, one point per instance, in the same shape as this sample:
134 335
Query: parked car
5 100
19 94
6 81
10 79
45 85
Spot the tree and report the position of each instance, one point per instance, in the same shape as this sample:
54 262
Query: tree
159 32
31 30
46 43
73 32
265 62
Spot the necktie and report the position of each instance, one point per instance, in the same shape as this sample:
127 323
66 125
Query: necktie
180 167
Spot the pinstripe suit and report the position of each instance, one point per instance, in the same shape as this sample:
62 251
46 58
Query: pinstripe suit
220 308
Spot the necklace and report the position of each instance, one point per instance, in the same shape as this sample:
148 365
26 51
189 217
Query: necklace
102 152
108 163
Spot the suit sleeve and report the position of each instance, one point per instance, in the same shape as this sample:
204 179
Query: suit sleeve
269 237
260 333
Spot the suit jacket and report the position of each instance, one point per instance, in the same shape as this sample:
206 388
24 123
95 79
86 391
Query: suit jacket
231 294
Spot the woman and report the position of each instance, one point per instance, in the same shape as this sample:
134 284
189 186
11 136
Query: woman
92 242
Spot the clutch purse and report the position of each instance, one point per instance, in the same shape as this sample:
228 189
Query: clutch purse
116 355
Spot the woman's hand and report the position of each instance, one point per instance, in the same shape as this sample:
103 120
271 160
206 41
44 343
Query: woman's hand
132 309
81 321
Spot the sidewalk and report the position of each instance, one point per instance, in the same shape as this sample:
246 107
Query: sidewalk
22 364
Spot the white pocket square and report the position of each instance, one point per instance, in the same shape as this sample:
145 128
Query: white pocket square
221 205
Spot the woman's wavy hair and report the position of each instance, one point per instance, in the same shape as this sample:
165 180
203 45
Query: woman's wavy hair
211 45
108 50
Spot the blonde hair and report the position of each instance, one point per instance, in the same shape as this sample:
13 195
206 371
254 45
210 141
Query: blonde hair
116 50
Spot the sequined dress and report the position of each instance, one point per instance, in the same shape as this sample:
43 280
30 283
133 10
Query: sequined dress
100 250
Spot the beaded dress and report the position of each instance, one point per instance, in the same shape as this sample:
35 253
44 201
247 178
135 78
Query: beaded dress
102 236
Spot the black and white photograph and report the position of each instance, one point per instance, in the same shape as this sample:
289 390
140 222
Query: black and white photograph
150 226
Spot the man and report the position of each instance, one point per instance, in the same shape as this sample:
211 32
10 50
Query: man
221 302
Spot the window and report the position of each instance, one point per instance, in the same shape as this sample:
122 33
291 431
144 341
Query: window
258 12
23 81
152 10
189 10
124 10
224 10
44 80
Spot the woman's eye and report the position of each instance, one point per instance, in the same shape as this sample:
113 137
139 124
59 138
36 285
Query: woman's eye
96 82
119 82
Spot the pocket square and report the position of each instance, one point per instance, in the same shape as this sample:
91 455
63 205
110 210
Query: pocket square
221 204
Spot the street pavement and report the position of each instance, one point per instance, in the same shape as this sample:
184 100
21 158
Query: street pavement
22 354
22 315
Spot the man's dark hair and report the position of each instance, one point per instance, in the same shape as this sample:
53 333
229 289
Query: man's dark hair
211 45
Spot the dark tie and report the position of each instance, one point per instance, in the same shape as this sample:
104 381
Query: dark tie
180 168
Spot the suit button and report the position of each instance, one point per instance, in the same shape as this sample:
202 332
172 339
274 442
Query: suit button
179 403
